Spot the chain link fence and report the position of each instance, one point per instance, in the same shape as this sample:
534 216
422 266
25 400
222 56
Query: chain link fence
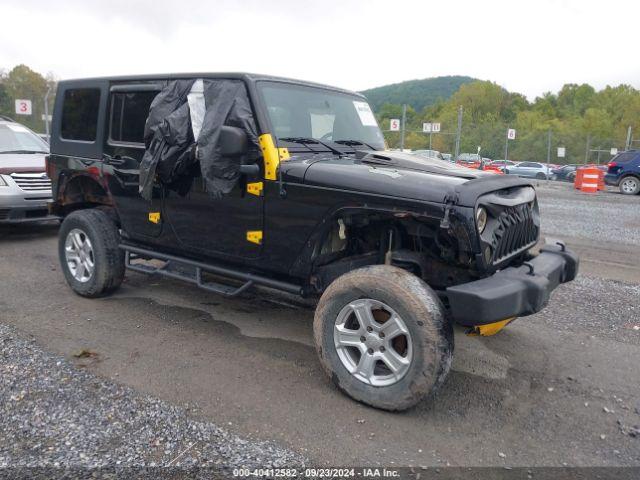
533 144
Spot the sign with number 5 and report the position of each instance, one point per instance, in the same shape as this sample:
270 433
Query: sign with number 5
23 107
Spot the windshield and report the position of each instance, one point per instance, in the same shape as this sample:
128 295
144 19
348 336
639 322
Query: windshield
16 138
306 112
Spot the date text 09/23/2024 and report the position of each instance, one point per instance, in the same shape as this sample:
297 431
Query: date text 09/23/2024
317 473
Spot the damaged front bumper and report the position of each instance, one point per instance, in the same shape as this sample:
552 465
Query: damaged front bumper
514 291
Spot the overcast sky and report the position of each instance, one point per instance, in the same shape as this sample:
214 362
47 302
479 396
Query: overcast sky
526 46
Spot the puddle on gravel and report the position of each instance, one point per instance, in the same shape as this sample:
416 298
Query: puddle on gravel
200 321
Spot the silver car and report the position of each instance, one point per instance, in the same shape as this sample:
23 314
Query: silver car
530 170
25 188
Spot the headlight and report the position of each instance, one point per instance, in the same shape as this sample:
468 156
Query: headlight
3 183
481 219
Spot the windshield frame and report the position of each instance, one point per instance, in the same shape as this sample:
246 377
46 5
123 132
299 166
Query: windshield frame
298 147
44 145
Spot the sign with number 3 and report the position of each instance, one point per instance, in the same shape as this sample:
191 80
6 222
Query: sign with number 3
23 107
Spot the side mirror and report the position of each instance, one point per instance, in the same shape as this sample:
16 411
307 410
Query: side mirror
233 142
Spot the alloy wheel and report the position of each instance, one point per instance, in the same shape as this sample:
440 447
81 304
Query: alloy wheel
79 255
373 342
629 185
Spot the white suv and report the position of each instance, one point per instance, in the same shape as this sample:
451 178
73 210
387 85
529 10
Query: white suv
25 188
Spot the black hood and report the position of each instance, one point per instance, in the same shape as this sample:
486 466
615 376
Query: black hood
399 175
418 162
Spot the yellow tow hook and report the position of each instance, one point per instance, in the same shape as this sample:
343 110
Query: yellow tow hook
490 328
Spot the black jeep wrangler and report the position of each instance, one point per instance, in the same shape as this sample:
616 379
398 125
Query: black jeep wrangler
231 181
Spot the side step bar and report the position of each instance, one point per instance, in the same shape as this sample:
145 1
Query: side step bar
191 271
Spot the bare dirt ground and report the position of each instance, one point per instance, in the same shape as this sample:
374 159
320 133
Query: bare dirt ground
560 387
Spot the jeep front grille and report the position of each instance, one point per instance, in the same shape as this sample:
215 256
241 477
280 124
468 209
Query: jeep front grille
32 182
516 231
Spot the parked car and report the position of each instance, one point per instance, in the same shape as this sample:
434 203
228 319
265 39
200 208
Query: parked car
275 196
476 162
502 164
25 188
624 172
468 158
566 173
530 170
448 157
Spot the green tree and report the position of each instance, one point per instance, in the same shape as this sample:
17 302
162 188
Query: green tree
23 83
577 114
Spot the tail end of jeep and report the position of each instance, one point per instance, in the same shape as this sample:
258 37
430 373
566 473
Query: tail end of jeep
278 183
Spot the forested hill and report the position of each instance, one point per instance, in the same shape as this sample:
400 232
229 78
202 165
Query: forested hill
417 93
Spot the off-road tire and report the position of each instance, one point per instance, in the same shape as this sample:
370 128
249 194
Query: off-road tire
629 179
423 313
103 233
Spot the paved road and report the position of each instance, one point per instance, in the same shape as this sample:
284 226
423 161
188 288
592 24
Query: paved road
536 393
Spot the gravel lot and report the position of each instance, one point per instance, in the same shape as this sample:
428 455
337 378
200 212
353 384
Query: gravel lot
53 414
606 217
171 362
596 306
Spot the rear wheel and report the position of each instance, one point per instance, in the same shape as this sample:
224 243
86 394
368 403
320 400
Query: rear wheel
630 186
540 176
91 261
382 337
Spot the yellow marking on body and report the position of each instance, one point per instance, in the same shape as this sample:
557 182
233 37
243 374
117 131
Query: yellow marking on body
255 236
154 217
255 188
272 156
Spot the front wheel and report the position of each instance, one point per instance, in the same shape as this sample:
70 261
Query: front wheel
541 176
630 186
91 261
382 337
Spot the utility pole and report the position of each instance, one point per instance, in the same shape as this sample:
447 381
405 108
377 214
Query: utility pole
548 152
586 154
403 126
458 132
627 145
46 114
506 146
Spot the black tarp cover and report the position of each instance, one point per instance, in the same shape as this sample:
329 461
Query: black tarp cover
171 148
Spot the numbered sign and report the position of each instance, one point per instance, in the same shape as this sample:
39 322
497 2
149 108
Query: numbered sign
435 127
23 107
394 125
427 127
561 152
511 134
614 151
